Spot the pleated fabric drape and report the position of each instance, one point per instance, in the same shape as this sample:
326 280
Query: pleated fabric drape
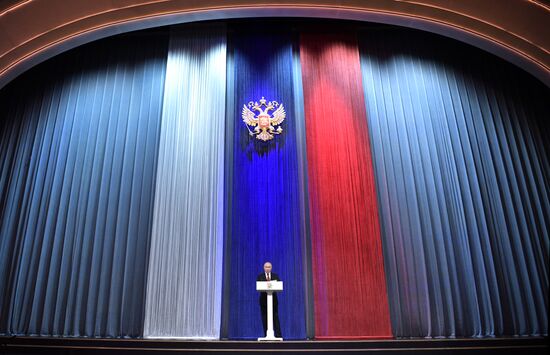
185 267
301 155
348 269
460 155
407 194
78 150
265 214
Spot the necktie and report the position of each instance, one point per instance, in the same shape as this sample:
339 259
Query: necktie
268 277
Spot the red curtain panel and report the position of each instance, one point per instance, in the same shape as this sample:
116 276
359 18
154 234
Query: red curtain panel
349 282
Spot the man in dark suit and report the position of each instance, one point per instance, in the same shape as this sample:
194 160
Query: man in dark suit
267 275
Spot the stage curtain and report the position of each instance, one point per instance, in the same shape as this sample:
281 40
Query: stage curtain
265 215
348 270
460 144
185 265
79 140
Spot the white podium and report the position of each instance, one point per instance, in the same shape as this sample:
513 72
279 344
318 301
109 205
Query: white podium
269 287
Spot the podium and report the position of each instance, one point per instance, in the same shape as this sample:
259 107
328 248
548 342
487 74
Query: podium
269 287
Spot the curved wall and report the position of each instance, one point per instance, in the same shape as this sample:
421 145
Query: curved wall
33 30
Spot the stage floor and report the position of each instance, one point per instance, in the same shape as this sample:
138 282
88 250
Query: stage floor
57 345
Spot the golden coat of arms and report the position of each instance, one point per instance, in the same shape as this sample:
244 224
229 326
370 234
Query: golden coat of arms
263 122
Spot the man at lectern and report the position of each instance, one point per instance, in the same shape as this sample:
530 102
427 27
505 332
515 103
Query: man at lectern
267 275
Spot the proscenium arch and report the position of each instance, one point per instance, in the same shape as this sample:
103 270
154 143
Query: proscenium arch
36 30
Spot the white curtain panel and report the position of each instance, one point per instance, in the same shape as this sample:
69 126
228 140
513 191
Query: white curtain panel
184 280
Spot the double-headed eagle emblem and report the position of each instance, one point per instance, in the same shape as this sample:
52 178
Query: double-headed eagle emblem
263 122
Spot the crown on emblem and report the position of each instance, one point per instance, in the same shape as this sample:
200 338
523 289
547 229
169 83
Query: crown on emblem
263 122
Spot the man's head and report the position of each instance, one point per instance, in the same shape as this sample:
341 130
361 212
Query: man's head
267 267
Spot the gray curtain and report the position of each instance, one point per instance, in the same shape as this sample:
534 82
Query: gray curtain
78 148
460 145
